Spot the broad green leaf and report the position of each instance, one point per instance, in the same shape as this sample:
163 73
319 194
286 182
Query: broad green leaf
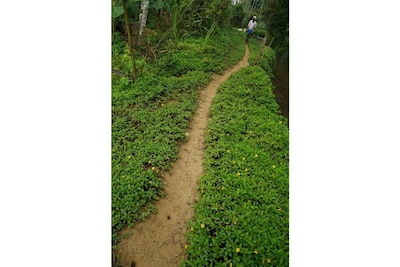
117 11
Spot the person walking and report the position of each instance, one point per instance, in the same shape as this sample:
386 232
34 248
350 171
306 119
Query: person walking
251 26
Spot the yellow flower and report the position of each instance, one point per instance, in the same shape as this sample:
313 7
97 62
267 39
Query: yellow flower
202 225
269 260
186 246
237 250
279 209
256 155
238 174
129 157
255 251
243 158
246 170
222 188
191 229
153 168
228 151
280 121
273 166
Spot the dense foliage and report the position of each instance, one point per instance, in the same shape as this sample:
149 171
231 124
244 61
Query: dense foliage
207 12
242 217
276 18
149 118
262 56
272 21
171 22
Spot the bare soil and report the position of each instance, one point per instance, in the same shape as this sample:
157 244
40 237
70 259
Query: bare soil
159 240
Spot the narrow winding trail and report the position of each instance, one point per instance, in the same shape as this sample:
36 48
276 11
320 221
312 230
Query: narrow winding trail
159 240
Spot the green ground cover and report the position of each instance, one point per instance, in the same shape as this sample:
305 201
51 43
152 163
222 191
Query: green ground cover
150 115
262 56
242 217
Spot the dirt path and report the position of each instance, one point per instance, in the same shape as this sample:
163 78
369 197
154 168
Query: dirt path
159 240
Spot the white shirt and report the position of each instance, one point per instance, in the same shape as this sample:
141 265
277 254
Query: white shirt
252 24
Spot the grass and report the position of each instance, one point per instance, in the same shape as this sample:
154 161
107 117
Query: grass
242 217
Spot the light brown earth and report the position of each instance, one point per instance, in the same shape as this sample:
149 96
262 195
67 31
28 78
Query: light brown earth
159 240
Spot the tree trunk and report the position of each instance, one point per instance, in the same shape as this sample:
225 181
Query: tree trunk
130 41
143 17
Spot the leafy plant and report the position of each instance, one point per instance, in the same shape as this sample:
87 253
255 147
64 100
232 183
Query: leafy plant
149 118
262 56
242 217
194 54
209 33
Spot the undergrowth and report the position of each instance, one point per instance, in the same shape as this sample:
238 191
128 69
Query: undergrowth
242 217
211 54
150 115
263 56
